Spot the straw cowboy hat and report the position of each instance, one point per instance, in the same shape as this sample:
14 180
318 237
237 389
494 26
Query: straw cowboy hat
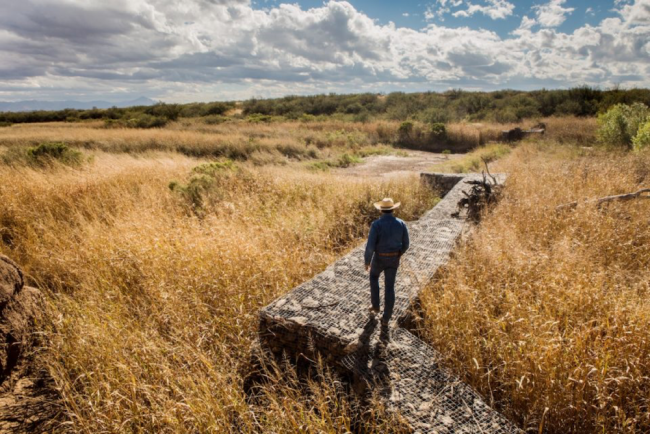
386 204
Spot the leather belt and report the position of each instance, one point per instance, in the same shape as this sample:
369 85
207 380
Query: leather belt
389 254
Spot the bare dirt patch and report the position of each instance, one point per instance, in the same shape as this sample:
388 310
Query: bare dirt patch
383 166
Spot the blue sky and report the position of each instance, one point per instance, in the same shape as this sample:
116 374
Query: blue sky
413 14
201 50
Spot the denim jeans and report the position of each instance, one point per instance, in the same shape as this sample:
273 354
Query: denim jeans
388 265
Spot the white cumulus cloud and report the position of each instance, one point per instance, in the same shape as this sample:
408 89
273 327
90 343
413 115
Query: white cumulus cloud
495 9
553 13
226 49
637 13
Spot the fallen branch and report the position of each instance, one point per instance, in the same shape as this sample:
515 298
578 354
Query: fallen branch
628 196
487 169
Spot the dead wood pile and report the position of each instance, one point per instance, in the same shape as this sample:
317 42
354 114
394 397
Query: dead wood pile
483 194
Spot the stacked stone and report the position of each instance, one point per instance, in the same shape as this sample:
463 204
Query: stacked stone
328 315
330 311
408 375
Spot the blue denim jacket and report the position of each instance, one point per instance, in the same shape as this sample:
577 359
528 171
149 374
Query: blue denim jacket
387 234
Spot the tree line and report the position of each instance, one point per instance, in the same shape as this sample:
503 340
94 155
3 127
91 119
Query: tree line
503 106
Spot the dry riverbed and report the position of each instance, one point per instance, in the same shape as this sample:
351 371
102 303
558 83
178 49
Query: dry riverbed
396 165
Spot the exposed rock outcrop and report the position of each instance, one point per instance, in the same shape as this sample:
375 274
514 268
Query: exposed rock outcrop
26 398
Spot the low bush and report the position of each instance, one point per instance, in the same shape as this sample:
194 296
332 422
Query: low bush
47 153
345 160
438 130
434 115
214 119
405 129
5 124
621 123
305 117
142 120
147 121
362 117
297 151
376 150
427 137
642 138
320 165
256 118
203 181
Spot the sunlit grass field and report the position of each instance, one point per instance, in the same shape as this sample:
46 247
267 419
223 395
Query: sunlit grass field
153 298
156 248
545 312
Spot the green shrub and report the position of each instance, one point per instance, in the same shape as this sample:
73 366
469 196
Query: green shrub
621 123
642 138
506 115
113 123
405 128
307 118
256 118
567 108
140 120
203 181
354 108
404 132
438 130
363 117
297 151
216 108
147 121
435 115
45 153
320 165
5 124
214 167
375 150
347 160
214 119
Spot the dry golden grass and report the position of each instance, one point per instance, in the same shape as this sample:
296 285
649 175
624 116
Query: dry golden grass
571 130
473 161
152 306
153 310
548 313
269 143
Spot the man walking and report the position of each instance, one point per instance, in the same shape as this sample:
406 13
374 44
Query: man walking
387 242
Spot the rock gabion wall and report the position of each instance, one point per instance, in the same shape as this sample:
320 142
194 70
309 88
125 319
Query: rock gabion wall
328 315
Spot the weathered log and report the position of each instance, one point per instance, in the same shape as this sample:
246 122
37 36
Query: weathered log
619 197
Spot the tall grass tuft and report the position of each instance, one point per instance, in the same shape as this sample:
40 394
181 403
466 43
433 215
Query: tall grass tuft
547 313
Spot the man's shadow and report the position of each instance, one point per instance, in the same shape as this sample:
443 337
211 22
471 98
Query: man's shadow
373 356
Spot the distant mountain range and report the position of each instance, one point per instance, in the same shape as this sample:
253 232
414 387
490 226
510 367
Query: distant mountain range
25 106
